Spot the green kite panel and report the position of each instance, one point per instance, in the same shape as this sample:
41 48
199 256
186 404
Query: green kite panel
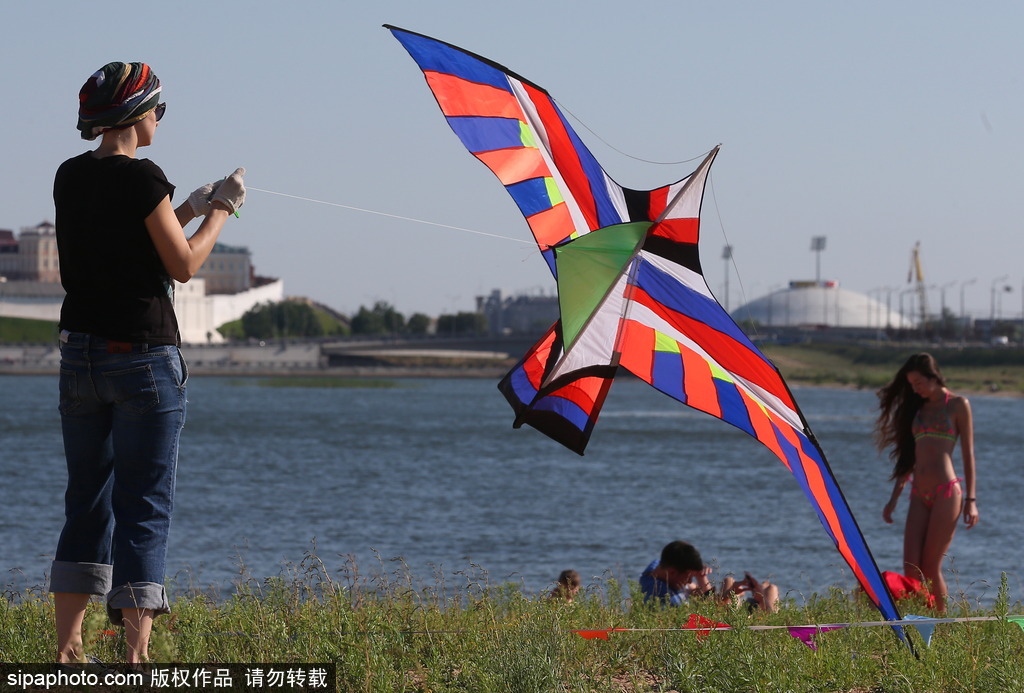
588 266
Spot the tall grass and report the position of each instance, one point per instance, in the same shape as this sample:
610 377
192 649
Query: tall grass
387 632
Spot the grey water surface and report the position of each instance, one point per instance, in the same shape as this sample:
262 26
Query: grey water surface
430 471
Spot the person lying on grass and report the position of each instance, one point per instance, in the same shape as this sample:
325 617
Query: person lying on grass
680 574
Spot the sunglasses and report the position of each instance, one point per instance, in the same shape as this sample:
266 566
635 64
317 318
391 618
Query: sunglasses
159 111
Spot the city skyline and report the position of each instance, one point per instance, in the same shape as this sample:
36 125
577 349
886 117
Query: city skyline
890 296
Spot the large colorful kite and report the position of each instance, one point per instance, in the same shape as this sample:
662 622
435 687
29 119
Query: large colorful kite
630 288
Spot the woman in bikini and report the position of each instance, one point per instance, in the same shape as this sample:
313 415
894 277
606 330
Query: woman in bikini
921 420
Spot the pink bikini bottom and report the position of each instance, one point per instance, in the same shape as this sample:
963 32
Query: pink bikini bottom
943 490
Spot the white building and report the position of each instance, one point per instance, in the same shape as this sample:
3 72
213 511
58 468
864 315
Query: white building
821 304
199 314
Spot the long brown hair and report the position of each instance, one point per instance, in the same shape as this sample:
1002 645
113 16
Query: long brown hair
899 404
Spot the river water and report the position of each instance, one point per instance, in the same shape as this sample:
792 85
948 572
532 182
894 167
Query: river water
429 471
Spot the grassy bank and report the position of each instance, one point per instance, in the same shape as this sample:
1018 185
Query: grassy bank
387 633
26 331
974 369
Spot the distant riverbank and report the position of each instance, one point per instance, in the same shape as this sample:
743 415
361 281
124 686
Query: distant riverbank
969 370
988 370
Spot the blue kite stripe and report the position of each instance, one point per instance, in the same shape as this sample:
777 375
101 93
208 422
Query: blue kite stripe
549 257
486 133
527 395
521 386
733 409
667 374
434 56
567 409
531 195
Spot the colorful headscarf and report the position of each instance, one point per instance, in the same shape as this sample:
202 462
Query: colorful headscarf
117 95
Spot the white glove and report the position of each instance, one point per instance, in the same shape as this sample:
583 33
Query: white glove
199 200
231 191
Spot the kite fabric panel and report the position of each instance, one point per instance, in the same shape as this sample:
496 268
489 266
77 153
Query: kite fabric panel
630 287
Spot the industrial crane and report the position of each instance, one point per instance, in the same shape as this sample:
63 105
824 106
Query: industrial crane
916 274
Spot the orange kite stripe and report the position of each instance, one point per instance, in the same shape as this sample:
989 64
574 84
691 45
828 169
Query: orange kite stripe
459 97
515 165
761 422
638 355
700 385
551 226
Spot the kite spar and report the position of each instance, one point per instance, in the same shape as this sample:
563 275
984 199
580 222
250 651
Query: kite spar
630 288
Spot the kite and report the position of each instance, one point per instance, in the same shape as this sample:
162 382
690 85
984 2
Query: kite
630 288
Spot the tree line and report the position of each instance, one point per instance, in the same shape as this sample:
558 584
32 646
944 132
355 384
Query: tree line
297 319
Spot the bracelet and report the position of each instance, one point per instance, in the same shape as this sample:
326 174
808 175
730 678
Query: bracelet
970 500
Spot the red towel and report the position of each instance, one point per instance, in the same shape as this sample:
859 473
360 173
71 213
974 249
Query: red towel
903 587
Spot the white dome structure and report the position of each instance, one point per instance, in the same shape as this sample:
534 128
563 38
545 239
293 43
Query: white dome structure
820 304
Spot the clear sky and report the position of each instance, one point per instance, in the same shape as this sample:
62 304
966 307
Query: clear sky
875 124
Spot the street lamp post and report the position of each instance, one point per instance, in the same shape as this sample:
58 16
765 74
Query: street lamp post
886 326
963 315
874 317
992 307
1006 288
888 306
900 312
903 316
942 305
817 245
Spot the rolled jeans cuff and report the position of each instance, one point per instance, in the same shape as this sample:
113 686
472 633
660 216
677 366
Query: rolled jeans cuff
136 595
80 578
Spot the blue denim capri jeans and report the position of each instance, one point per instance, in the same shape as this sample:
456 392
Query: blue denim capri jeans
122 409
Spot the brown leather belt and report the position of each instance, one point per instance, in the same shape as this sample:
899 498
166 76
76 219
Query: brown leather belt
119 347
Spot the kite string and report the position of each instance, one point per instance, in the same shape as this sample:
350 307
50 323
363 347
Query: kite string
676 629
393 216
608 144
732 258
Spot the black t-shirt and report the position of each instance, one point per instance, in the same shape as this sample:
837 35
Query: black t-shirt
117 287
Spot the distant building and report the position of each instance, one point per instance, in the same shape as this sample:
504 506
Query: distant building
224 288
813 304
228 270
32 257
520 314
